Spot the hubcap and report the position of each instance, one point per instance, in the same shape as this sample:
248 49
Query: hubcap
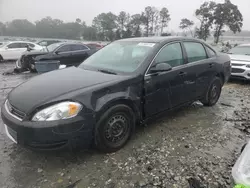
117 127
214 93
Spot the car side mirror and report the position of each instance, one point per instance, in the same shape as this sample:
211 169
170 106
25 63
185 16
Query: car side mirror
161 67
57 52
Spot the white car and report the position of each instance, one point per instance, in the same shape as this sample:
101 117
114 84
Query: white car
14 50
240 59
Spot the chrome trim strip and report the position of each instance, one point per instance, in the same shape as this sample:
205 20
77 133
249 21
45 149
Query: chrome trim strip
6 107
8 134
73 51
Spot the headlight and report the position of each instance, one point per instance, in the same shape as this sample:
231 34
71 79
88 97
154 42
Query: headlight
248 66
63 110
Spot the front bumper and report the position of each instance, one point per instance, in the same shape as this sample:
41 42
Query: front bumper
241 72
72 133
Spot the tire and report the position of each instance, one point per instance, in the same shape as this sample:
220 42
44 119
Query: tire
114 128
213 93
32 68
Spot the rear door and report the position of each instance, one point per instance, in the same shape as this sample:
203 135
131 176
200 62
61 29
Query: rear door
79 53
200 69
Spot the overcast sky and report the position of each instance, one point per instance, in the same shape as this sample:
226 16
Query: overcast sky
69 10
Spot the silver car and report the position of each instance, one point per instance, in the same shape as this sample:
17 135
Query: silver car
240 59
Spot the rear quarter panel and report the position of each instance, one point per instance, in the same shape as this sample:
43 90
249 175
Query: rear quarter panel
224 67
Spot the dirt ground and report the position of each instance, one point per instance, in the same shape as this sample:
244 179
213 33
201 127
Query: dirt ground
192 143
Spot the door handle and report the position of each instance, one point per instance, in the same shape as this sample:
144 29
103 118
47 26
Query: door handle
211 65
182 73
189 82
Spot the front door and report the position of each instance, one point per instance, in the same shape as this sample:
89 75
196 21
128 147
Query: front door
13 51
79 54
64 55
166 89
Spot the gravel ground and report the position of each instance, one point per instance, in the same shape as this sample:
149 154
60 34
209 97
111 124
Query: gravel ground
193 145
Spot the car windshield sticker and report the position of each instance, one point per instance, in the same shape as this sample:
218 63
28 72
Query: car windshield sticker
146 44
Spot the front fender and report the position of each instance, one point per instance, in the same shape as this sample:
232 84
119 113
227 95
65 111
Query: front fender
129 97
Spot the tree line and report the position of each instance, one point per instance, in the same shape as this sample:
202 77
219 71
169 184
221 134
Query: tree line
213 18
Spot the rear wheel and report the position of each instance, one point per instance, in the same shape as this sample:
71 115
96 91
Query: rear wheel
213 93
114 128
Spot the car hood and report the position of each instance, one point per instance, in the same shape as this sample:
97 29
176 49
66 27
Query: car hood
35 53
240 58
50 86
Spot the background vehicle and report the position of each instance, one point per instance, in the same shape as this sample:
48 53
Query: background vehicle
68 53
240 58
95 45
14 50
48 42
127 82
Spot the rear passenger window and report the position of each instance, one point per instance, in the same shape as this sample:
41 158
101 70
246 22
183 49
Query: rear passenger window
210 52
78 47
195 51
171 54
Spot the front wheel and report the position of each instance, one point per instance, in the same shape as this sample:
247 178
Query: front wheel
114 128
213 93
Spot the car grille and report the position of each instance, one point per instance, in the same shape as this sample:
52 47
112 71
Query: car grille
235 70
14 111
237 65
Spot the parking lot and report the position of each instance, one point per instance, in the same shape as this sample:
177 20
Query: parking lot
194 142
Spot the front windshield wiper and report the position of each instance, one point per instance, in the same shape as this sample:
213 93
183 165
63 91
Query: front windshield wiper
106 71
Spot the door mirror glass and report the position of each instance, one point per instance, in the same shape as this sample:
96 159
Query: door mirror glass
160 67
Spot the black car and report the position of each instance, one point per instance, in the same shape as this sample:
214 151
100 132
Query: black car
122 85
67 53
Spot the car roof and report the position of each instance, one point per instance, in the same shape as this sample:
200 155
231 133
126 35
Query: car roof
158 39
64 43
18 42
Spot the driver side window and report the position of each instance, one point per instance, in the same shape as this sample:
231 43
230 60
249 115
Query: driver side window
170 54
65 48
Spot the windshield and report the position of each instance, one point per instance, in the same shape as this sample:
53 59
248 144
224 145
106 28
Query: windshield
121 56
241 50
52 47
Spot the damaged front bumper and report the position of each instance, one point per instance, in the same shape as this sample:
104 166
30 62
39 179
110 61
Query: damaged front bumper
55 135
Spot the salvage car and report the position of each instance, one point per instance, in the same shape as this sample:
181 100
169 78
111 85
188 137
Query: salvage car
67 53
124 84
14 50
240 57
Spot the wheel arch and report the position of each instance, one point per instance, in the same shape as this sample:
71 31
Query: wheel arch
221 76
120 101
